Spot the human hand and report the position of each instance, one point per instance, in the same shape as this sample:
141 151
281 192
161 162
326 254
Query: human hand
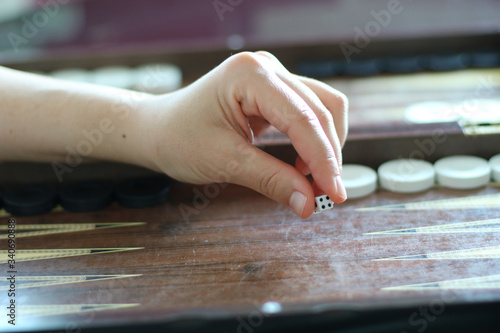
204 133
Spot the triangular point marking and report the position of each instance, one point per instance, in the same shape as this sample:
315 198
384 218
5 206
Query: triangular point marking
491 252
462 227
30 230
40 254
44 281
482 282
471 202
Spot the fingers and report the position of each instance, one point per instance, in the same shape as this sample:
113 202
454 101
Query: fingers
287 111
286 104
274 179
324 114
333 100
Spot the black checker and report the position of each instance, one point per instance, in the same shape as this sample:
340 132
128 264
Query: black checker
142 193
86 196
30 200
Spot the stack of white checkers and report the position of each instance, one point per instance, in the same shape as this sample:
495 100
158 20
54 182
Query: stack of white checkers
155 78
461 172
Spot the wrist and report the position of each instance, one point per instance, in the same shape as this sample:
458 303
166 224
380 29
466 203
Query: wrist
125 128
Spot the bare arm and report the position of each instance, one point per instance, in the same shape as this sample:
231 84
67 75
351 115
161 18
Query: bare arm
44 119
200 134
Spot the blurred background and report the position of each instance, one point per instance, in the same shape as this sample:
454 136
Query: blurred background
44 34
443 53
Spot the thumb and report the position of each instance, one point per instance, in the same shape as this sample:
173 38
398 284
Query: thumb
275 179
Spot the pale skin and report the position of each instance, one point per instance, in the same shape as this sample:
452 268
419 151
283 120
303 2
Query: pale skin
200 134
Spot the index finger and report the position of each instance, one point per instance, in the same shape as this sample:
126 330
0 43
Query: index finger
286 110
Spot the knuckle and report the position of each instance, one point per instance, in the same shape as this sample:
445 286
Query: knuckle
268 183
245 60
266 54
305 118
342 102
324 117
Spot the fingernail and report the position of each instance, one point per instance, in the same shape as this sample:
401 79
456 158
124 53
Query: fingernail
340 188
297 203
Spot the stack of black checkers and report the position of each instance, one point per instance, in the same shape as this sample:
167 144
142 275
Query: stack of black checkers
400 64
85 196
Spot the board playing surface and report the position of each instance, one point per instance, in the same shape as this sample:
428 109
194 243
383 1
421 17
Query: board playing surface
123 266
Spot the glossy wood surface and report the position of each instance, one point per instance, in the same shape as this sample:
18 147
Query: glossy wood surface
242 250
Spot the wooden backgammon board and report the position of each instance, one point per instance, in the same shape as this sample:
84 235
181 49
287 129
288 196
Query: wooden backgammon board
234 261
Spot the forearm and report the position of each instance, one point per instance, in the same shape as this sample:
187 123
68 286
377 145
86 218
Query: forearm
42 119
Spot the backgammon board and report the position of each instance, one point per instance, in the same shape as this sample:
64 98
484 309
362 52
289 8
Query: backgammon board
238 262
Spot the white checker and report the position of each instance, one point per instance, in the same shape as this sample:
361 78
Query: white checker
323 202
115 76
431 112
495 168
406 175
359 180
74 75
158 78
462 172
480 111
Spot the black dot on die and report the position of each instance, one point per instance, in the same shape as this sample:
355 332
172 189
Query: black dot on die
320 199
330 205
327 198
323 207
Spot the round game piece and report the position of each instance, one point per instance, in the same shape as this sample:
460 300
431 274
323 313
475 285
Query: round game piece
406 175
480 111
486 59
462 172
86 196
431 112
74 75
407 64
115 76
447 62
157 78
359 180
142 193
362 67
495 168
30 200
319 68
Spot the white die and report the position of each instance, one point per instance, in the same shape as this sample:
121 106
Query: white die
323 202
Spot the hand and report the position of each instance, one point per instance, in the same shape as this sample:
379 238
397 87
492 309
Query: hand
204 132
